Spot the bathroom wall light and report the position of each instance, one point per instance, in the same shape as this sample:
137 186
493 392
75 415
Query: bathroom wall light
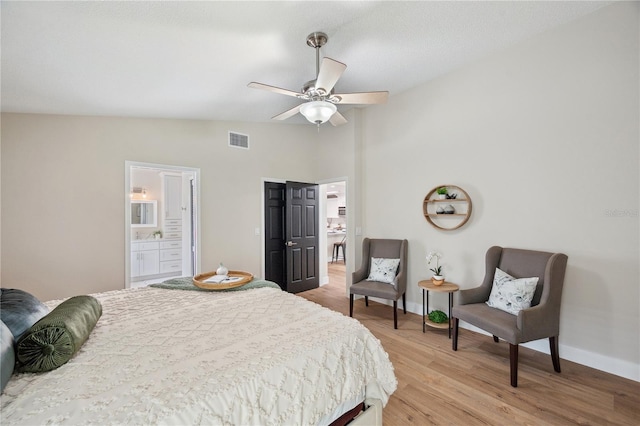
137 192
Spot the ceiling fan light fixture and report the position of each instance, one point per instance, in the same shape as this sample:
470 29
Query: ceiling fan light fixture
318 112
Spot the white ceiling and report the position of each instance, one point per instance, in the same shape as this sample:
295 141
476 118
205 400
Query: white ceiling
193 60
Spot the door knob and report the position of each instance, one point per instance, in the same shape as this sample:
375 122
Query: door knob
291 244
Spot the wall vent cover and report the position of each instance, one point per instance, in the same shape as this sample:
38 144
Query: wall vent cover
238 140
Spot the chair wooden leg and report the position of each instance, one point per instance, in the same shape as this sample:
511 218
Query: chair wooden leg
404 302
395 314
366 301
555 356
351 305
513 357
454 341
495 339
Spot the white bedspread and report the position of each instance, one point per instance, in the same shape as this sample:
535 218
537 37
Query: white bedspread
252 357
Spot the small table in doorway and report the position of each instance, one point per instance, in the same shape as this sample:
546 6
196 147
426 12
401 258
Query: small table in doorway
446 287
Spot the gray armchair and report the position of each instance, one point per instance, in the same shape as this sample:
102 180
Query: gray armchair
388 249
541 320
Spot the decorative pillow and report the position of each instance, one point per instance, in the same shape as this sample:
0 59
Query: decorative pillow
54 339
19 310
383 270
7 355
511 294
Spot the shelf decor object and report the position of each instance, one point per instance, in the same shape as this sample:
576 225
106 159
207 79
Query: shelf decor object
449 213
437 279
241 278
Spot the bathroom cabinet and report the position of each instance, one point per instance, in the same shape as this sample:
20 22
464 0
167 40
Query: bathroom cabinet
145 258
172 191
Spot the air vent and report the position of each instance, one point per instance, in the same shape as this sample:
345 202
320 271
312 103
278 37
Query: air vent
238 140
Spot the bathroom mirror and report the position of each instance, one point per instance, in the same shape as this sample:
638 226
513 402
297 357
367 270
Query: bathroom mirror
144 213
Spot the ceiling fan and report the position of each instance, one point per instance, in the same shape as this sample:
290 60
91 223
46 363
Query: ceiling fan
321 100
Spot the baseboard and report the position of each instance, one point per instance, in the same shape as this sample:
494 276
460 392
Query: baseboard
618 367
324 281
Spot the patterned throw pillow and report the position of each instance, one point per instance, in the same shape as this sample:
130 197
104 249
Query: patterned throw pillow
7 355
511 294
383 270
19 310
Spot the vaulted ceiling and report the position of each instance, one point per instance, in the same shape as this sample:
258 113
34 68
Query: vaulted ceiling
193 60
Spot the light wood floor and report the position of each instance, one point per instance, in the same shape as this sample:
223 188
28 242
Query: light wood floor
471 386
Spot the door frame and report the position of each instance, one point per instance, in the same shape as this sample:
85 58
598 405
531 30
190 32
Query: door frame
322 218
324 260
195 174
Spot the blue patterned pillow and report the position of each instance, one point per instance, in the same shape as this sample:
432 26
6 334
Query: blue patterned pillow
511 294
19 310
383 270
7 355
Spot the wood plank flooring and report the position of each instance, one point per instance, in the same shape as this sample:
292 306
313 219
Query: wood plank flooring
471 386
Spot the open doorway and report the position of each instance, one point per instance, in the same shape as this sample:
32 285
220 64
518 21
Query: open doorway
161 222
335 196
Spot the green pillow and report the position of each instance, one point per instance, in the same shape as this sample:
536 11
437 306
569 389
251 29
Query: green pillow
54 339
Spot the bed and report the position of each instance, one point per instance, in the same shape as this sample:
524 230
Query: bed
163 356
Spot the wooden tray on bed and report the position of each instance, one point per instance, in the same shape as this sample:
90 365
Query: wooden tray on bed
199 279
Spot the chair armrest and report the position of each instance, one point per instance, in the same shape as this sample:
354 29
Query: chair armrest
543 320
538 322
400 282
359 275
473 295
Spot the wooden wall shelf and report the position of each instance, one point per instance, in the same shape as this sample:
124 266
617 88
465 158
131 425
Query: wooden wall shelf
447 221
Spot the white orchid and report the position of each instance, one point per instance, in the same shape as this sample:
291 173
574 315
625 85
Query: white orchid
435 255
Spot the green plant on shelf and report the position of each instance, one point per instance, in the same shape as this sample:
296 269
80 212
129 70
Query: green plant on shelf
438 317
442 190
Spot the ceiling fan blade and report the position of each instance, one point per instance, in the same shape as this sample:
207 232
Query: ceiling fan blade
337 119
330 72
288 113
274 89
362 98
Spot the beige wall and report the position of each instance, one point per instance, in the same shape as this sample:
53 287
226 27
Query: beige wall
544 137
52 164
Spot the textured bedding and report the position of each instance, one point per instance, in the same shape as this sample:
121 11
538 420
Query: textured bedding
157 356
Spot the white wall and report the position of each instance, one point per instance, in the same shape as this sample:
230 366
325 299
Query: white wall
52 163
544 137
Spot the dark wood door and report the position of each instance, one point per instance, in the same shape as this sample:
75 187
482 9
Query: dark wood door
274 236
301 235
291 235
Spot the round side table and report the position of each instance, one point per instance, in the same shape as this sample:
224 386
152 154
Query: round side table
428 286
